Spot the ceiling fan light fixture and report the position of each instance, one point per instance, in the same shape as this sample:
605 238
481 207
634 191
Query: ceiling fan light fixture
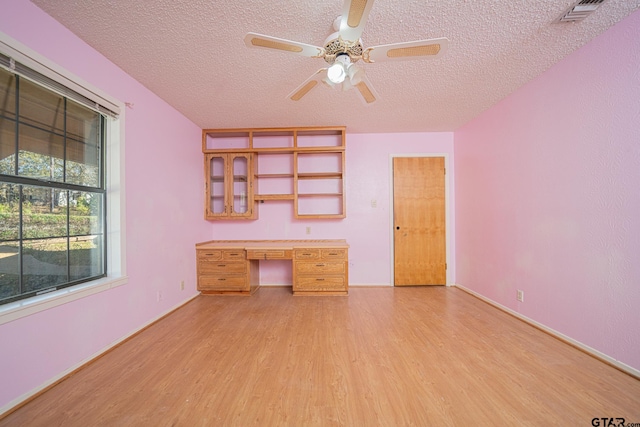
343 49
337 72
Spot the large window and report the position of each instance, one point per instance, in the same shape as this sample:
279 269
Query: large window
52 190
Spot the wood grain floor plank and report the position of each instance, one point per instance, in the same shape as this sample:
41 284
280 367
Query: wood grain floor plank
381 356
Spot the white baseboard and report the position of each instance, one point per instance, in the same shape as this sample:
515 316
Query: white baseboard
20 399
591 351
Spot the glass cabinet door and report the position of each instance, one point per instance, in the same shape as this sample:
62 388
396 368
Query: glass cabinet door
240 186
217 186
229 186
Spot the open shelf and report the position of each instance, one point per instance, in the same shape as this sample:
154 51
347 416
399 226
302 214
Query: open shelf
272 140
320 195
320 175
233 140
273 197
274 175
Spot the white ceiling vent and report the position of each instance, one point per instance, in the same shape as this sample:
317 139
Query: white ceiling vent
579 11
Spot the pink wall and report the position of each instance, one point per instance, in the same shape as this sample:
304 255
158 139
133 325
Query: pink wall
366 229
163 218
548 201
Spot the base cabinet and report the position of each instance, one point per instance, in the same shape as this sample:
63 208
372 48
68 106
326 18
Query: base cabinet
226 271
320 271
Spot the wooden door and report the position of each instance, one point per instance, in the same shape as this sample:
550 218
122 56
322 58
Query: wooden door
419 221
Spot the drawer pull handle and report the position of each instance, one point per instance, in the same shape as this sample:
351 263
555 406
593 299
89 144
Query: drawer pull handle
333 253
306 254
320 280
209 254
319 265
222 279
222 265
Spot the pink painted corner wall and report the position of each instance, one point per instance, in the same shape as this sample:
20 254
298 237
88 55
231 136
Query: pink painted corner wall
163 218
548 197
366 229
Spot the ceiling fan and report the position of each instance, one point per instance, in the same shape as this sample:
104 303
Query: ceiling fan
342 49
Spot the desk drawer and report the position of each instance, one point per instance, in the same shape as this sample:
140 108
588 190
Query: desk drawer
307 254
217 283
269 254
320 268
221 267
323 254
221 254
315 284
233 254
210 255
330 254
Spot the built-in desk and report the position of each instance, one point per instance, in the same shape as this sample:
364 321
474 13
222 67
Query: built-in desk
320 267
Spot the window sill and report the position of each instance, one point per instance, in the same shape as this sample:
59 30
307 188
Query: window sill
27 307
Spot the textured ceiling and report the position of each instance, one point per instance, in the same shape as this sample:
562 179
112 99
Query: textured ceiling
191 53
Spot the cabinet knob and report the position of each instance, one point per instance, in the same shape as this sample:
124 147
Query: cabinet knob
397 227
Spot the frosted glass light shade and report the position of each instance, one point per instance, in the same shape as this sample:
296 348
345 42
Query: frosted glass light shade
337 72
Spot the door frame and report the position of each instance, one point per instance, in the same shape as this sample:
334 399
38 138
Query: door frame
448 208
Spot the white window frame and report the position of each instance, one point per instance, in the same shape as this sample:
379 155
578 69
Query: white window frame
115 212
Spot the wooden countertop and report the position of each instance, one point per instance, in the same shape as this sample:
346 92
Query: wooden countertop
272 244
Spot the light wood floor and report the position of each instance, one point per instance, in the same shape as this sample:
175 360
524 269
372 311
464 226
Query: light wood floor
379 357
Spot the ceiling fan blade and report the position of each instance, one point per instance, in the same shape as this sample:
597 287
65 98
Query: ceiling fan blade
308 84
254 40
369 95
354 17
408 50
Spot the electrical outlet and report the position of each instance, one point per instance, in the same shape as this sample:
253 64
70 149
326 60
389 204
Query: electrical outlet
374 203
182 285
520 295
308 230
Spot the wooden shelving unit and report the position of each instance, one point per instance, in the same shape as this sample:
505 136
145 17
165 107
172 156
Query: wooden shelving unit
305 165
